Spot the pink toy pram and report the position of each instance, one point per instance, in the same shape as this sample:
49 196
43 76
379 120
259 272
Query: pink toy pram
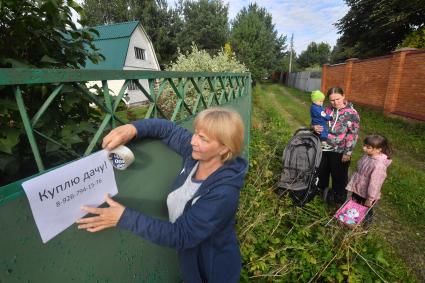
351 213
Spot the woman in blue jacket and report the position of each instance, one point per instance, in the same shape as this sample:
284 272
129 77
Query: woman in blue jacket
204 198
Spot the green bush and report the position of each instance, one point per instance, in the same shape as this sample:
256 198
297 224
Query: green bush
41 34
201 61
198 61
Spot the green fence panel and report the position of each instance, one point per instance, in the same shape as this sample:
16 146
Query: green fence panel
109 256
113 255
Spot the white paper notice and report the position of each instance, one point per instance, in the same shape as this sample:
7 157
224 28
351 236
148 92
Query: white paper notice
56 197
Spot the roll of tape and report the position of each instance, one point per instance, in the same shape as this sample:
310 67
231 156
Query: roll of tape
121 157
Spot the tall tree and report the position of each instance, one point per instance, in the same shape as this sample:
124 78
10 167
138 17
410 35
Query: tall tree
256 42
100 12
376 27
340 53
315 55
205 23
162 25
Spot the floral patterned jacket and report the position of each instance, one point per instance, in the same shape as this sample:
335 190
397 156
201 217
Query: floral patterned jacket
343 128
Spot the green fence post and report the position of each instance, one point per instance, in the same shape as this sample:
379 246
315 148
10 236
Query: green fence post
28 128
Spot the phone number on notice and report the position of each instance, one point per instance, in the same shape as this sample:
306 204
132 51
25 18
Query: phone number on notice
78 193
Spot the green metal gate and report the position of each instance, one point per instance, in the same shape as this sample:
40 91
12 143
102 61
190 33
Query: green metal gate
112 255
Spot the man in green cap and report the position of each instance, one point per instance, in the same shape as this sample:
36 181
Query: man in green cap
318 115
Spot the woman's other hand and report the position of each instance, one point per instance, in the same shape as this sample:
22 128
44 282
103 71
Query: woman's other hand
346 158
107 217
119 136
318 129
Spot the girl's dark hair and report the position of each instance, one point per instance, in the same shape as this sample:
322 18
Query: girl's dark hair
379 141
334 90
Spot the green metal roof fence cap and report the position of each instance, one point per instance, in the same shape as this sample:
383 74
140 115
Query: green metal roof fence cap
117 30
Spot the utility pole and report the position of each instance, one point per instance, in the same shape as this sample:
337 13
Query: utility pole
290 53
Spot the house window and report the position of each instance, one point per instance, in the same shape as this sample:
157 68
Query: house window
140 53
132 86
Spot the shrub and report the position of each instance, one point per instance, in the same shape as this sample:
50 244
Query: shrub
198 61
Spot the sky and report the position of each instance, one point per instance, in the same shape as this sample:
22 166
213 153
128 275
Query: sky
308 20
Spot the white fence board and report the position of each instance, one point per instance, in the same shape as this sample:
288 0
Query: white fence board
306 81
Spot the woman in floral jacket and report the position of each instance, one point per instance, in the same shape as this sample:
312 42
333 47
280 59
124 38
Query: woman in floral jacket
342 138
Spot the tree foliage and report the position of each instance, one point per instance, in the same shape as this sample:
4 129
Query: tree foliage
256 42
162 25
315 55
205 23
41 34
284 67
374 28
160 22
340 53
100 12
288 62
415 39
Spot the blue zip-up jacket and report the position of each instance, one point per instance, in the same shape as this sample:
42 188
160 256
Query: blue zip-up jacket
319 117
204 234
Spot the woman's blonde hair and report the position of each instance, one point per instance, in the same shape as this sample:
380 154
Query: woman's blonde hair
224 125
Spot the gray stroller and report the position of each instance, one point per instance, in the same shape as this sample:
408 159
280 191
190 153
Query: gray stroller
301 159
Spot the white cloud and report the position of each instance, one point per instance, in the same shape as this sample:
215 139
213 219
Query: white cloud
308 20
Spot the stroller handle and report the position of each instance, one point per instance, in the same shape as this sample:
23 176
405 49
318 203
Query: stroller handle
302 129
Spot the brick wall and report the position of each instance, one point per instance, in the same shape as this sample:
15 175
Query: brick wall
393 83
411 97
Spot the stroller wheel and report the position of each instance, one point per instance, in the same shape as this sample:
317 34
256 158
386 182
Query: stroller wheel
280 191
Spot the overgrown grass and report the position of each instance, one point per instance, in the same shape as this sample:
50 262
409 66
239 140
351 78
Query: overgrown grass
282 243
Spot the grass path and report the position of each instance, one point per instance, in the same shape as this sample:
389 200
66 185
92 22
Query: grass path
292 122
406 239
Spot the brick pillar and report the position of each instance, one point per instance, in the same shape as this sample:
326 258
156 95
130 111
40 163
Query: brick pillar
348 75
394 79
324 86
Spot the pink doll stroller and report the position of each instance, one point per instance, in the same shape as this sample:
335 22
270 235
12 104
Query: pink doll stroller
351 213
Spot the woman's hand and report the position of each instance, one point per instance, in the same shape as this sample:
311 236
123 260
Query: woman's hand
119 136
106 217
346 158
317 128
